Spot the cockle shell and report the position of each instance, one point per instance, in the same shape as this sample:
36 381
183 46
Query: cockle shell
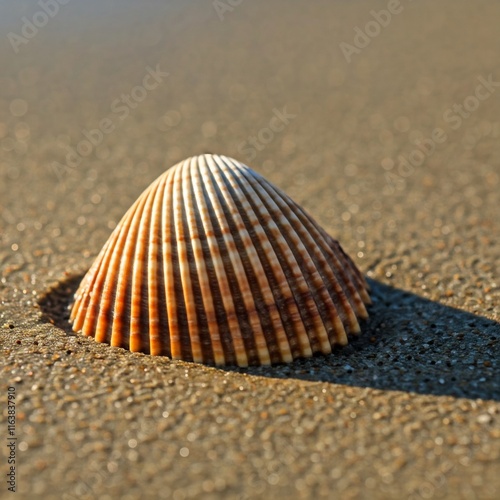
214 264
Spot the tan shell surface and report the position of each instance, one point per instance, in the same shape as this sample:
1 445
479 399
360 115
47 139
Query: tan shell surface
214 264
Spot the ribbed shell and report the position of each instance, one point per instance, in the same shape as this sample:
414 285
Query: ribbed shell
216 265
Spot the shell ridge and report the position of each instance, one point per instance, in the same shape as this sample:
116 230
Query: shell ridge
82 296
205 348
320 259
349 298
307 252
106 278
265 231
349 280
342 265
168 226
211 216
207 292
181 342
139 297
360 280
182 208
244 311
294 251
156 286
247 267
279 302
120 289
252 251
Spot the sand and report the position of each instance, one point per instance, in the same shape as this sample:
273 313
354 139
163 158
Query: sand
410 409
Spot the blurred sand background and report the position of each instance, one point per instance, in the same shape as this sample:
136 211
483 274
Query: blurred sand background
408 410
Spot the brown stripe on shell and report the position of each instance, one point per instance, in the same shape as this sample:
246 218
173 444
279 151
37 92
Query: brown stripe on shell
214 264
180 340
301 243
301 307
341 293
232 231
99 311
340 268
80 312
241 220
212 345
280 295
256 292
158 319
114 322
218 237
139 300
340 256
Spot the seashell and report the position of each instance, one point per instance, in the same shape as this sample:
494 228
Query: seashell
214 264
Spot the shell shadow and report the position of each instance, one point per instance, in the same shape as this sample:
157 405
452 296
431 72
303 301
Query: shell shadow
408 344
56 302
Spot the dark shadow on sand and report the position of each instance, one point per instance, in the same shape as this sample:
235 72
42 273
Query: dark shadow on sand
55 304
408 344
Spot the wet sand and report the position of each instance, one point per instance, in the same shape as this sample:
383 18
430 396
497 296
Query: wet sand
390 140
